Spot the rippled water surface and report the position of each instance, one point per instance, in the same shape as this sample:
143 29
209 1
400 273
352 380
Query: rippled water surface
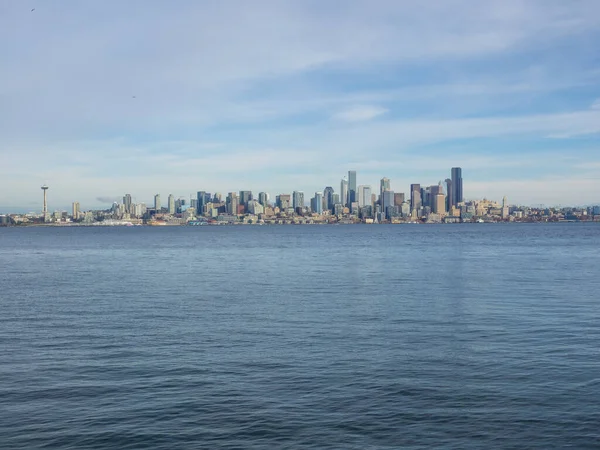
349 337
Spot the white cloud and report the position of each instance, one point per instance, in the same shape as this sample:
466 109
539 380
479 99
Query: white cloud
596 104
359 113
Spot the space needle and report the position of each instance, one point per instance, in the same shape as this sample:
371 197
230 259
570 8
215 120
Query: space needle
45 210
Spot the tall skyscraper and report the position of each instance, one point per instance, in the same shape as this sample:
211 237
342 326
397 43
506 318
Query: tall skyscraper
344 192
449 194
415 197
384 185
75 210
232 203
457 186
316 203
171 204
245 197
352 191
157 205
263 198
127 202
328 198
298 199
201 202
364 196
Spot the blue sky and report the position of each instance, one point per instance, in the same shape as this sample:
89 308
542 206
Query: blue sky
289 95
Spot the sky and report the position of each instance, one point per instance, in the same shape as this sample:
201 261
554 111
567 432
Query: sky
103 98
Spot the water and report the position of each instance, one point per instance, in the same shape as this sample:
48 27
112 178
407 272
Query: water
349 337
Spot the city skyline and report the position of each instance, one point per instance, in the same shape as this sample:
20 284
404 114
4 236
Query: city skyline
278 96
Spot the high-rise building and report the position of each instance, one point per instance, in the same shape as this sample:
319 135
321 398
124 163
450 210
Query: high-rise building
157 205
439 203
449 194
352 191
245 197
328 198
344 192
415 197
171 204
201 203
457 186
127 202
384 185
284 201
364 196
335 200
263 198
298 199
316 203
76 210
398 198
232 203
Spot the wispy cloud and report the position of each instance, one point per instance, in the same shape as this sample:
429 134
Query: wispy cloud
359 113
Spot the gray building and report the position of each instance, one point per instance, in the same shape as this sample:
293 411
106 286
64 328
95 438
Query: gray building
352 188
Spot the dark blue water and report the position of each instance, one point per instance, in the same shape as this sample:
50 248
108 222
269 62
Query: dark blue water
349 337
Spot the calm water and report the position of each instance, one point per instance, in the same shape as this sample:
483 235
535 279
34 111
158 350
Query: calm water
349 337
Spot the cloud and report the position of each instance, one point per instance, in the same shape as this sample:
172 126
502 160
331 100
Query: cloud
360 113
596 104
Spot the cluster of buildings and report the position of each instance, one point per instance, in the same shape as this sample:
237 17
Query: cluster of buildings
352 203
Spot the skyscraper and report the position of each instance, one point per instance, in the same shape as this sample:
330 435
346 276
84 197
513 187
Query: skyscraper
415 197
449 194
316 203
75 210
328 197
245 197
157 205
232 203
384 186
364 196
263 198
352 191
344 192
127 203
298 199
200 202
171 204
457 186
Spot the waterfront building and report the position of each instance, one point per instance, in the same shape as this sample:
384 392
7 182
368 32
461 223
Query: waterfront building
352 189
335 199
157 205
